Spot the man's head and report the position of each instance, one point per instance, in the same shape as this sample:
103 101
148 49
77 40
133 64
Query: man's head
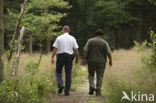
66 29
99 32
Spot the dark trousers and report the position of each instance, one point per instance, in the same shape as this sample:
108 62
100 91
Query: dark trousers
64 60
98 68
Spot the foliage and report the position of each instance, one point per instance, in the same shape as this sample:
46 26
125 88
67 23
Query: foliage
113 13
41 19
32 67
25 90
140 46
150 61
34 86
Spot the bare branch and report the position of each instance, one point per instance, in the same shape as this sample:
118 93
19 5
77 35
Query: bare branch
17 29
16 61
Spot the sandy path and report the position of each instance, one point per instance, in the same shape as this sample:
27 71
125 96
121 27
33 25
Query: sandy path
80 96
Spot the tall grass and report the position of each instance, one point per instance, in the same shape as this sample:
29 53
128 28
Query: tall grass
127 74
34 83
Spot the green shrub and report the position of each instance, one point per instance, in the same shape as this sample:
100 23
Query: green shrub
149 61
26 89
7 92
32 67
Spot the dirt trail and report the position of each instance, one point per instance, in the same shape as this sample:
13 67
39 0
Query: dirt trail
80 96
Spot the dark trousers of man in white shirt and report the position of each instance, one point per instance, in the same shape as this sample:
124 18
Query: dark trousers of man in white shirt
66 60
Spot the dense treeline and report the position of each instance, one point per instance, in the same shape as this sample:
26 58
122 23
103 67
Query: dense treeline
122 20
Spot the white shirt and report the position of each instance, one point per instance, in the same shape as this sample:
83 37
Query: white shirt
65 44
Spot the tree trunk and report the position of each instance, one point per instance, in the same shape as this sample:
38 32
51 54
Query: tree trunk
139 32
1 42
126 40
30 44
16 30
18 52
86 20
39 61
48 45
117 34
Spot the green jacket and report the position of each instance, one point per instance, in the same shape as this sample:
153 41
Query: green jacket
97 49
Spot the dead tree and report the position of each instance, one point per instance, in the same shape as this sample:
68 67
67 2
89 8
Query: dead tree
18 52
16 30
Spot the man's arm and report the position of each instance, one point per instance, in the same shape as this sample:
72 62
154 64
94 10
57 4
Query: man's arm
84 57
110 59
77 55
53 55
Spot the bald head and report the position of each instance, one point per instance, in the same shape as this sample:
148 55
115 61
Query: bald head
66 28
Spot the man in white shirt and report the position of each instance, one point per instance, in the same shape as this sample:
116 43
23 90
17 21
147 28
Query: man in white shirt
65 47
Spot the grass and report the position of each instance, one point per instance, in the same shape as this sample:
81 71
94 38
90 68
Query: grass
47 67
127 74
40 85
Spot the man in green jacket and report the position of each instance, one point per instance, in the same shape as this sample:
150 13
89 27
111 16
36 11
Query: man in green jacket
95 55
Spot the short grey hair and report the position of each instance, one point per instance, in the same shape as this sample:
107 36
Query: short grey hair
66 28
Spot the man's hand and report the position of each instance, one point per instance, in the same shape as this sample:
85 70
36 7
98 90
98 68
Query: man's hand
76 60
84 62
110 63
52 61
53 55
110 59
77 56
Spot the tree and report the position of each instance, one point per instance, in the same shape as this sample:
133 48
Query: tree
122 20
1 42
41 19
144 11
18 52
17 29
86 20
112 17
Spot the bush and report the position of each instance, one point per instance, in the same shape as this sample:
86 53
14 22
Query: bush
32 87
32 67
18 91
149 61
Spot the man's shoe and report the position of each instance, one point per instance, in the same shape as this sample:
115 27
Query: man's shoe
66 94
91 92
60 89
98 92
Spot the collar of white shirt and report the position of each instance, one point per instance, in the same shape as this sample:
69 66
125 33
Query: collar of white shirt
66 34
